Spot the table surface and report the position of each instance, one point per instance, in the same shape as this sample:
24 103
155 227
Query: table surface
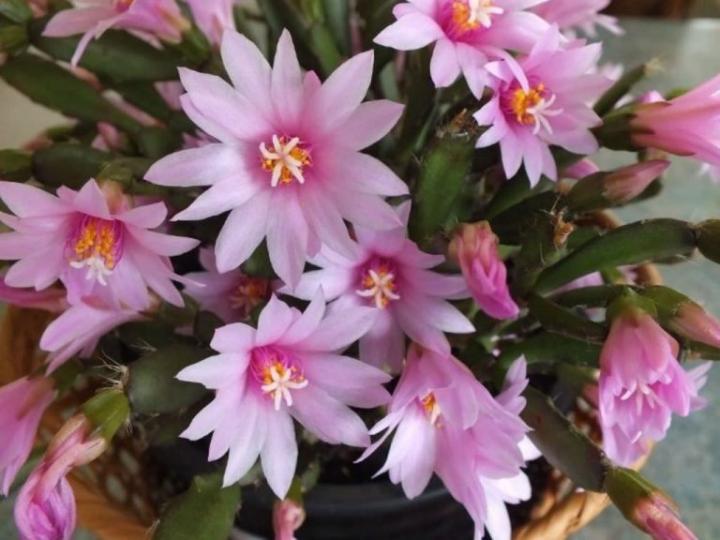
686 463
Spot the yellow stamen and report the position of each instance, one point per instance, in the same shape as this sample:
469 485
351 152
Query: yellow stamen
523 100
379 284
432 408
285 159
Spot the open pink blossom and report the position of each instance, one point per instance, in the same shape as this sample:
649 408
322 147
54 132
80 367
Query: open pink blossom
446 422
466 34
546 101
581 15
231 296
213 17
22 404
290 367
391 275
641 385
288 164
93 240
79 329
688 125
475 247
151 20
45 508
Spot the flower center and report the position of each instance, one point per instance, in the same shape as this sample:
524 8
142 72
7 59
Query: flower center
278 376
533 107
379 282
285 159
96 244
432 408
468 15
248 294
123 5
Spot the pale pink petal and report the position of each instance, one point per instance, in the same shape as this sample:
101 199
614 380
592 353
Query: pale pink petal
339 329
217 371
275 319
345 89
196 167
287 238
242 233
221 197
149 216
412 31
286 79
248 69
327 418
444 65
71 22
369 123
28 201
279 453
234 338
360 172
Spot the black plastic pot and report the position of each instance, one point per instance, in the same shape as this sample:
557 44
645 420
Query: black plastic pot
370 511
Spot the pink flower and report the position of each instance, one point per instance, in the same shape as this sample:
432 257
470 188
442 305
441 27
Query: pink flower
578 14
476 249
641 385
213 17
148 19
22 404
45 508
288 164
688 125
93 240
231 296
288 517
466 34
79 329
391 275
545 101
288 368
446 422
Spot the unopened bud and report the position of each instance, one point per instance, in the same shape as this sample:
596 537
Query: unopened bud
615 188
645 505
288 517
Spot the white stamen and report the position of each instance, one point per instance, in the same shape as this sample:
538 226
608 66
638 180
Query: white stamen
541 112
481 12
381 290
97 270
281 385
282 159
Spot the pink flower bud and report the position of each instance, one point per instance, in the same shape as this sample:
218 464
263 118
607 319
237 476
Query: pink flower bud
693 322
45 514
658 517
288 517
22 404
685 126
627 183
45 508
476 249
581 169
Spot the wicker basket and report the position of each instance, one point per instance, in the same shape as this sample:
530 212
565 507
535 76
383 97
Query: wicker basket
128 514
